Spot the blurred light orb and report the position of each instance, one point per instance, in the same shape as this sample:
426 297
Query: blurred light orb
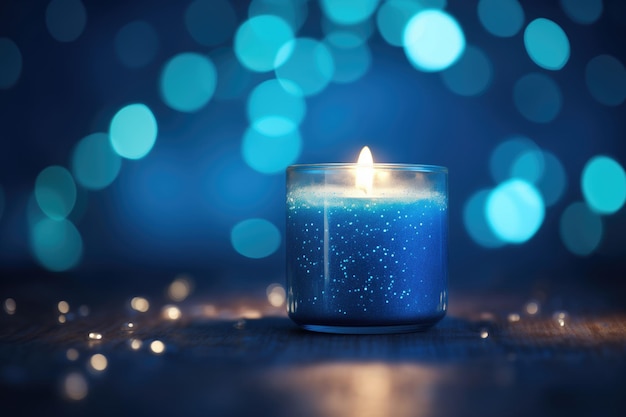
274 102
470 75
56 244
170 312
232 78
210 22
188 81
581 229
529 166
55 192
547 44
553 181
392 17
606 80
270 154
180 289
255 238
475 220
75 386
361 31
506 153
537 97
352 59
294 12
348 12
140 304
157 347
72 354
136 44
306 63
258 41
94 162
9 306
11 59
604 185
515 211
98 362
63 307
503 18
584 12
66 19
433 40
133 131
276 295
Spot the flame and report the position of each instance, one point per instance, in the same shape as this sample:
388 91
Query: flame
365 170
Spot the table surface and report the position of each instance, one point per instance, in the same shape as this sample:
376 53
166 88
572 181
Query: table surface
230 356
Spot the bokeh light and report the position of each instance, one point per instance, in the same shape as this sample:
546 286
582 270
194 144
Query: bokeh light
255 238
140 304
361 31
294 12
475 220
66 19
210 22
547 44
55 192
9 306
63 307
515 211
529 166
470 75
180 288
351 58
584 12
553 182
157 347
603 184
136 44
272 102
433 40
606 80
56 244
94 162
170 312
258 41
232 78
98 362
392 17
276 294
506 153
271 154
307 63
581 229
11 59
348 12
188 81
537 97
503 18
75 386
133 131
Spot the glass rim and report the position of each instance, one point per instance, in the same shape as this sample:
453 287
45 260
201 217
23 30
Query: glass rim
338 166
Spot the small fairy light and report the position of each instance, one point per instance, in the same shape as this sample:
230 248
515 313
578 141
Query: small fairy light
275 295
135 344
9 306
484 333
71 354
140 304
62 319
560 317
240 324
75 386
129 326
83 311
95 336
180 288
98 362
63 307
157 347
171 312
513 318
532 307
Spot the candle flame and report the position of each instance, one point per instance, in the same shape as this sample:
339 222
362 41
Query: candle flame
365 170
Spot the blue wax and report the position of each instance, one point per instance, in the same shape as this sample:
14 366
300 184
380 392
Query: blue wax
366 261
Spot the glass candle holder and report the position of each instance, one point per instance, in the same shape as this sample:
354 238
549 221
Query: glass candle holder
367 247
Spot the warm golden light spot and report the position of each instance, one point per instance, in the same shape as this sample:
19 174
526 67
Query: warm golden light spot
62 319
140 304
157 347
514 317
170 312
135 344
250 313
63 307
9 306
71 354
532 307
276 295
179 289
98 362
484 333
75 386
95 336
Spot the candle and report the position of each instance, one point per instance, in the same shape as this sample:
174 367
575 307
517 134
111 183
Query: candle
366 246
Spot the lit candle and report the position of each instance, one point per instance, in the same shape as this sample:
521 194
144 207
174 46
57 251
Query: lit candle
366 246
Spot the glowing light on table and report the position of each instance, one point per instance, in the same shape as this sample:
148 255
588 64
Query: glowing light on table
603 184
272 102
210 22
515 211
605 76
270 154
581 229
584 12
258 41
546 44
503 18
94 162
348 12
136 44
306 63
133 131
255 238
537 97
55 192
66 19
11 59
188 82
470 75
56 244
433 40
